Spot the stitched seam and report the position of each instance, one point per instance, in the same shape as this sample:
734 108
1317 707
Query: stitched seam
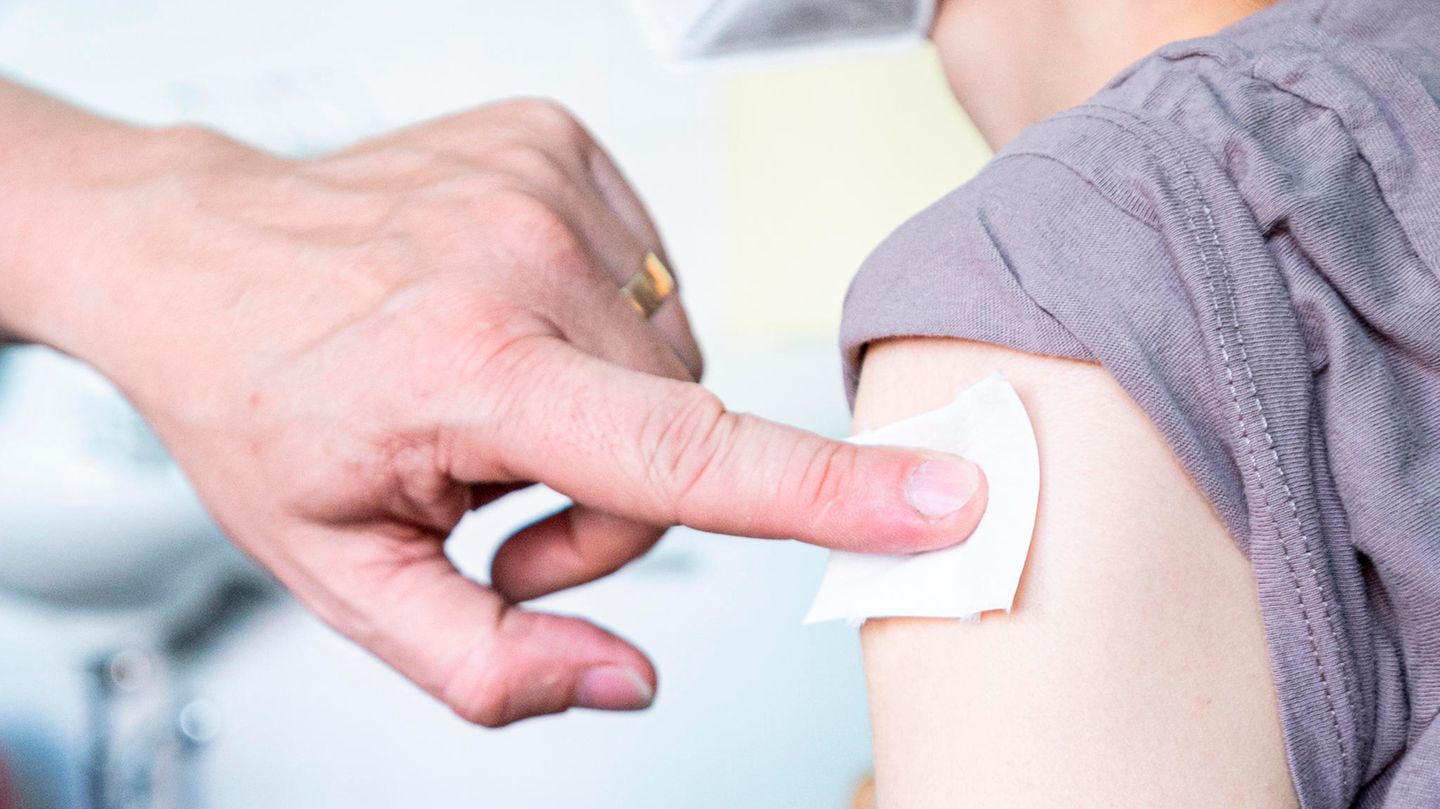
1227 295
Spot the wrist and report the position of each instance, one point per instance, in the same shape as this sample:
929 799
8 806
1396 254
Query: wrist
49 156
78 190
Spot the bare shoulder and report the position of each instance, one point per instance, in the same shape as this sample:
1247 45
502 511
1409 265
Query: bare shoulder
1133 670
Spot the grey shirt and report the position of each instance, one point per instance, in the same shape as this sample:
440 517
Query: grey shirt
1245 230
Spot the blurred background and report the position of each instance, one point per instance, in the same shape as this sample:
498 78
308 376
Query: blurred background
144 664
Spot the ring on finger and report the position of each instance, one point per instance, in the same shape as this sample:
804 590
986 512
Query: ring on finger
648 288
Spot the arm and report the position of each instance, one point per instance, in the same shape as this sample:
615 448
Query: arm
1133 670
347 353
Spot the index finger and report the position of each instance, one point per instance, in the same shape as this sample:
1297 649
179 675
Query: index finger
665 452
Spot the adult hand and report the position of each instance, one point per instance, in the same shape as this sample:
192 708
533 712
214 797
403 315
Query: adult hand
347 353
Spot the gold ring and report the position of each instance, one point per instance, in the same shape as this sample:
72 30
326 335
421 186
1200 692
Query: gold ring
649 287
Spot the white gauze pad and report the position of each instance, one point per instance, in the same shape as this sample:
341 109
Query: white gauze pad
988 425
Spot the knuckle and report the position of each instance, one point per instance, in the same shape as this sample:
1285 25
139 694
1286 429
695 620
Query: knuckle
683 441
551 117
508 373
483 709
493 687
533 232
826 470
476 692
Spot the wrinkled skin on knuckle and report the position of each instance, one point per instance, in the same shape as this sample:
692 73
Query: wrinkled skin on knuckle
683 439
506 381
824 476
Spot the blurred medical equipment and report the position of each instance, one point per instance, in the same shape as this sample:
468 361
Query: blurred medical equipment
696 29
145 723
98 523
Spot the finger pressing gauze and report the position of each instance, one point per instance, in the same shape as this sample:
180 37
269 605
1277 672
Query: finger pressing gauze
662 452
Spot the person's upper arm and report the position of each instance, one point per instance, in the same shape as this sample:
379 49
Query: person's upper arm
1133 669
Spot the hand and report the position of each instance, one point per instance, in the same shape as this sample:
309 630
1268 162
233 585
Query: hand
346 354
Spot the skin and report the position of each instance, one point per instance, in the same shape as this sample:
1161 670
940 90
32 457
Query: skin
1068 50
347 353
1133 669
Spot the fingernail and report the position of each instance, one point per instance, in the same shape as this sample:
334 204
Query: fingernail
942 487
613 688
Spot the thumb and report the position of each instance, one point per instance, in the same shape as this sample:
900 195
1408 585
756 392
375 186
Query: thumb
663 451
492 662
